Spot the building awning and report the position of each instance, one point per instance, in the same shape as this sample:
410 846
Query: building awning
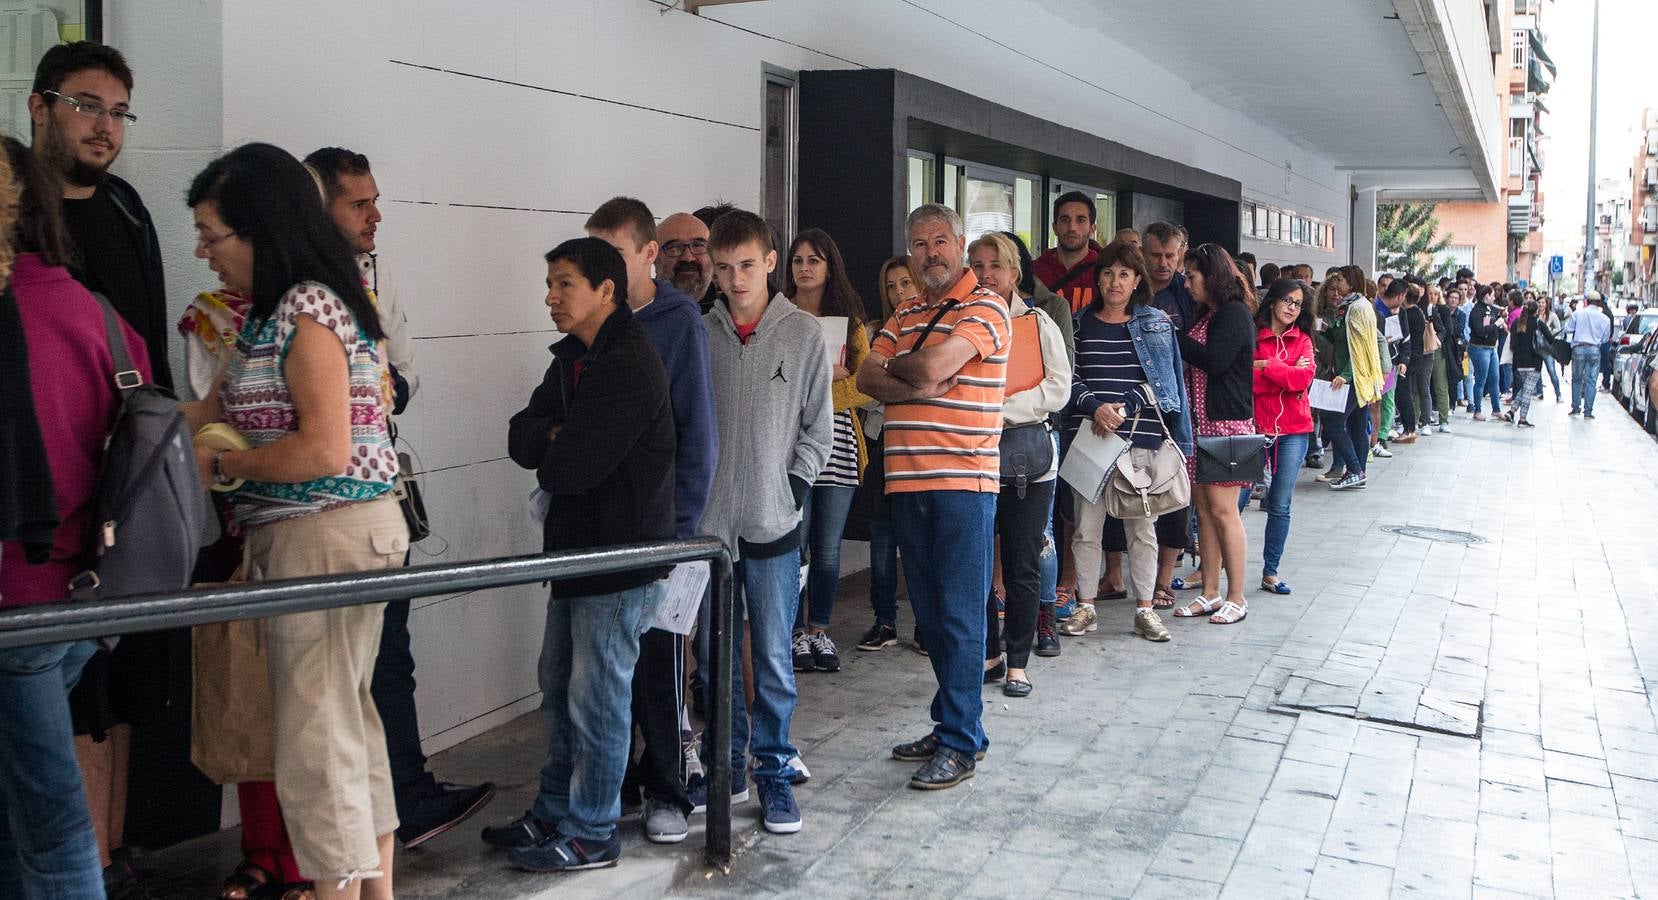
1536 81
1537 51
1538 102
1531 151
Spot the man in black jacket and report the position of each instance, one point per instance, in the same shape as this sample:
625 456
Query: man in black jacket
599 433
80 109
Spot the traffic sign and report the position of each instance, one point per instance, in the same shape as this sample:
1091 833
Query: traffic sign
1557 265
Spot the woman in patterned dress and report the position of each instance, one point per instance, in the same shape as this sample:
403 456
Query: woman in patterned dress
306 388
1220 351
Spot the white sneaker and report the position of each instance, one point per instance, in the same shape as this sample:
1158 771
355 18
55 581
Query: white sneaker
1382 452
1444 428
1425 430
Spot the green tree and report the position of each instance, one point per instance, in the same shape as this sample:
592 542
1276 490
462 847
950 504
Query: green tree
1408 240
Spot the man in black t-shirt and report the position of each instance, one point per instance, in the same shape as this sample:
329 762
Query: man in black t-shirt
80 110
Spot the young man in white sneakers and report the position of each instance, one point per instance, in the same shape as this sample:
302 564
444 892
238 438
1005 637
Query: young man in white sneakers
771 393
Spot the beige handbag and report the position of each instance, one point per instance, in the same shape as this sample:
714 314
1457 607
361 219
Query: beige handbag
1146 484
1430 338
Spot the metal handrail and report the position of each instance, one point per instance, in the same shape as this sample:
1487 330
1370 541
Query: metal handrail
60 622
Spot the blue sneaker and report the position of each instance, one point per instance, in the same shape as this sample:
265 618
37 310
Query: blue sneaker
782 814
1065 603
560 853
697 790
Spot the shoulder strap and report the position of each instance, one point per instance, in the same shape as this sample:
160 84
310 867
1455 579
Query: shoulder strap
127 376
933 323
1070 276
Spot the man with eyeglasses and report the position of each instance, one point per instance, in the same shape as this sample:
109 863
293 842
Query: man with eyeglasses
683 258
79 109
79 112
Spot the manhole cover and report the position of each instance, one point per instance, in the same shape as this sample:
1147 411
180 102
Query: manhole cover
1442 535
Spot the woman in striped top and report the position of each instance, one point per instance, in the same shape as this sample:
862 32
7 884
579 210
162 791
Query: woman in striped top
816 281
1128 381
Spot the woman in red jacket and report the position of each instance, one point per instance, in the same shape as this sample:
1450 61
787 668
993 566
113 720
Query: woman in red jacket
1283 373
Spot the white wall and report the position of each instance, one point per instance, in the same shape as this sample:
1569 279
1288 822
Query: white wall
494 127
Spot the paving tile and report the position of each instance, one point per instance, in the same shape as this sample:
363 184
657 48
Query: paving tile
1361 841
1344 879
1251 882
1194 856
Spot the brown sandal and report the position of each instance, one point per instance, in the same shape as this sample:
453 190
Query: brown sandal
1163 598
245 881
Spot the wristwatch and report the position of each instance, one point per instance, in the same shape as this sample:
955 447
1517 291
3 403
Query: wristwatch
219 476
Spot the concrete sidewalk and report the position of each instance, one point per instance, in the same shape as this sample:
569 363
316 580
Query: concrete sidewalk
1423 717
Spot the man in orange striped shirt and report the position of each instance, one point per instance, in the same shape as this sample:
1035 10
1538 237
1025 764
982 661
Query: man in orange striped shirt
939 364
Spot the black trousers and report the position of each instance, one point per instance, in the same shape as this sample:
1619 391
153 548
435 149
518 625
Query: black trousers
658 696
393 689
1021 527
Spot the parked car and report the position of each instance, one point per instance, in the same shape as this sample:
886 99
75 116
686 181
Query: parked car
1626 365
1639 369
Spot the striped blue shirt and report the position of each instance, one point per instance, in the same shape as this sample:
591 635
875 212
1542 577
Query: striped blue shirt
1108 371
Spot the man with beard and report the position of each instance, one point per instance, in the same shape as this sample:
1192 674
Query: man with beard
943 476
683 257
1068 269
426 807
79 110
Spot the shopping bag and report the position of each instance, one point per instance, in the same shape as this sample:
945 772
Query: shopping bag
230 719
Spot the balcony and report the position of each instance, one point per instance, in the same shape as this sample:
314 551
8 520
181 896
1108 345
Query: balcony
1516 157
1520 214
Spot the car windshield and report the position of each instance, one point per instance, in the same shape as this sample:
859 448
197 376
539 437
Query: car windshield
1644 323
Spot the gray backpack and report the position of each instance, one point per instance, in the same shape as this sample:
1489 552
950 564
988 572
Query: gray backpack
149 512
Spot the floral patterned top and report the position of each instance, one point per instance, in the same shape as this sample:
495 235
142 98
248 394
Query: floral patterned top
256 402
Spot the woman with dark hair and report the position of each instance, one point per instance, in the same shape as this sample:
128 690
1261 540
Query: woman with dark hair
1408 388
815 279
897 283
1127 381
309 390
1220 349
1531 340
57 399
1283 373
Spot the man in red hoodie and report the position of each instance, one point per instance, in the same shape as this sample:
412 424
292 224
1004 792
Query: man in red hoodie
1068 270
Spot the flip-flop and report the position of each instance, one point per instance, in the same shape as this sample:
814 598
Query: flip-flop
1163 598
1279 588
1114 595
1202 606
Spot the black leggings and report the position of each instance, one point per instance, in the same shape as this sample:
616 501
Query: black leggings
1021 527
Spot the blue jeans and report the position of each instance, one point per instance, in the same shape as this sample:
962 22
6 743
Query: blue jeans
768 595
1349 434
587 658
883 571
47 847
1050 550
1585 369
1288 451
1483 362
946 540
1554 376
1505 375
824 519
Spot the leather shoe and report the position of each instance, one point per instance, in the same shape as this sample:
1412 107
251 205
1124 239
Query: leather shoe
921 750
946 769
448 806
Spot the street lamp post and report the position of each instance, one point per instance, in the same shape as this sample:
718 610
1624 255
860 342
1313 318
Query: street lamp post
1589 221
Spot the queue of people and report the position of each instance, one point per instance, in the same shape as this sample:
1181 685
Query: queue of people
685 396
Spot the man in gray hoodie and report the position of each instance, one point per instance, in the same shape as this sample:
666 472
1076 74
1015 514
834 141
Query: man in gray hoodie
771 392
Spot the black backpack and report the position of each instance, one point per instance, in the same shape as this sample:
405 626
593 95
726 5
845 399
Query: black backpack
149 512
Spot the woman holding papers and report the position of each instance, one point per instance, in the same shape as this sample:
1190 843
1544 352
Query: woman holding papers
1128 383
816 281
1038 384
1357 352
1283 374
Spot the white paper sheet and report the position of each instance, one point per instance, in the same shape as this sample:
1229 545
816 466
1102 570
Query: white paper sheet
1393 329
1326 396
834 339
686 586
1089 460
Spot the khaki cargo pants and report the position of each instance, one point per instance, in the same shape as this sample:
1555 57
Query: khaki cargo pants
332 776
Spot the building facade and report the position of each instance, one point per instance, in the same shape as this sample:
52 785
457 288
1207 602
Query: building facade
1642 214
1503 240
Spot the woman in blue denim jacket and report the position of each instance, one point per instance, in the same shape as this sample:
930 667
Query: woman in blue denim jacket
1127 357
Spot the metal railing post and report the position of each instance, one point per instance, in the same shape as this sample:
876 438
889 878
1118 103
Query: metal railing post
717 737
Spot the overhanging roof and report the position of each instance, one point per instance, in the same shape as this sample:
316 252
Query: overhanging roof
1396 72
